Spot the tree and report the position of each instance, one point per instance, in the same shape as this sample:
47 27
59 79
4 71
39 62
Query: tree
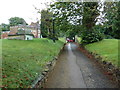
46 23
112 16
13 21
5 27
116 23
67 16
90 14
78 18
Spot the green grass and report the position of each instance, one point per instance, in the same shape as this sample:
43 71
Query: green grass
107 48
23 61
62 39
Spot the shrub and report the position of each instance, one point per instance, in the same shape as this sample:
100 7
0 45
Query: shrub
108 37
90 36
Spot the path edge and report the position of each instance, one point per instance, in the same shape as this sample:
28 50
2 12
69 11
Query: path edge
42 78
110 70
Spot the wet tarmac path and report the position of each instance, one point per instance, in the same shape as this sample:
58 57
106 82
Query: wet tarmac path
74 70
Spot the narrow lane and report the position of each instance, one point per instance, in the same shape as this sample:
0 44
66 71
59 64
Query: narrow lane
74 70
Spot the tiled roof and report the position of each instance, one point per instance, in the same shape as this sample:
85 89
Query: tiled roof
37 25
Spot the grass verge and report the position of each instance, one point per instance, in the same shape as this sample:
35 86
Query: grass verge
107 49
22 61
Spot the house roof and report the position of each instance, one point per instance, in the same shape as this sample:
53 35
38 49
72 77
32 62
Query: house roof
5 31
21 32
36 25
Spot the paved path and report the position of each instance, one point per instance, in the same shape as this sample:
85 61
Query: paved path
74 70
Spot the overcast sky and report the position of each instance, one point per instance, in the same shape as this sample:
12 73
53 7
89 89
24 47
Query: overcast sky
20 8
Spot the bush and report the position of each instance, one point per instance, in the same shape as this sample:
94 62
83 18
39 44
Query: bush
108 37
90 36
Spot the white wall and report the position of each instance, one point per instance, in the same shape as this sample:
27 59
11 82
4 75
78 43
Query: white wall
28 37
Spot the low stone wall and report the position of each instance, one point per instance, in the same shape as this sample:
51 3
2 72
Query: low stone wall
110 70
21 37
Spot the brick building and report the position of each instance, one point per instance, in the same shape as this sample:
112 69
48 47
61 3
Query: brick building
4 34
34 27
22 34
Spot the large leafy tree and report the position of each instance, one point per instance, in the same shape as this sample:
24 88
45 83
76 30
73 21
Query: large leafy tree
67 16
112 16
13 21
78 18
116 24
90 14
46 23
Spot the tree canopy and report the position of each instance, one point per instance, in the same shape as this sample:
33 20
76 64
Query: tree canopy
5 27
13 21
86 19
46 23
77 18
112 16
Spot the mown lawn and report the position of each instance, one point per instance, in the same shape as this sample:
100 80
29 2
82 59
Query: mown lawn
22 61
107 48
63 39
